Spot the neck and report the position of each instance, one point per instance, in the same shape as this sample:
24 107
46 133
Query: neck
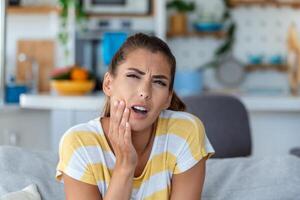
141 139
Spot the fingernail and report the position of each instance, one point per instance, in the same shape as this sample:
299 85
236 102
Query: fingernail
122 103
126 110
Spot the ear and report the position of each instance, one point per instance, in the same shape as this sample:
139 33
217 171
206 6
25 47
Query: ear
168 103
107 84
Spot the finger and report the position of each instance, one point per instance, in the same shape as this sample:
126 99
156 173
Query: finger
127 135
112 115
122 126
127 115
114 106
117 118
125 118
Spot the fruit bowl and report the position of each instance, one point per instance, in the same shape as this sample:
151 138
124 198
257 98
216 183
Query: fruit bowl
71 87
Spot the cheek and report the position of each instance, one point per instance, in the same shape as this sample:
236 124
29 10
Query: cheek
126 86
121 92
161 98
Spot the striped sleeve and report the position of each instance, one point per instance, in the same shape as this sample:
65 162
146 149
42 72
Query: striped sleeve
195 147
73 159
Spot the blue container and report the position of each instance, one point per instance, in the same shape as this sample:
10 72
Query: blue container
276 60
255 59
13 92
208 26
111 42
188 82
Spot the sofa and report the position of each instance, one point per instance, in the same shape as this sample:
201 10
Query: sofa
238 178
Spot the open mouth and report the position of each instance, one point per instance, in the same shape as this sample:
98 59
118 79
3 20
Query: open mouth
139 110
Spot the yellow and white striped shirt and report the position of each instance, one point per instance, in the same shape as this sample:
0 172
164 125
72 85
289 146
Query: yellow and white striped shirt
180 142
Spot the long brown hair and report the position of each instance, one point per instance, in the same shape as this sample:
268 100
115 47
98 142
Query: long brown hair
153 44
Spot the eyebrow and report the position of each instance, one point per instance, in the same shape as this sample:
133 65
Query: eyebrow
143 73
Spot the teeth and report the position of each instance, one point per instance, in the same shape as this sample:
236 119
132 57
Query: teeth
140 108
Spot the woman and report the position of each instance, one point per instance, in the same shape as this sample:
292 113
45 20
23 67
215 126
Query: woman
144 146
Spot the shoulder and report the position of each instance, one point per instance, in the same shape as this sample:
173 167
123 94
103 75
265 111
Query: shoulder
82 134
179 115
80 147
187 139
179 121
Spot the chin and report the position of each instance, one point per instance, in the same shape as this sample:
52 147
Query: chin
135 126
142 124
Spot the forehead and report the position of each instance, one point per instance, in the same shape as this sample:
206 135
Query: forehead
147 61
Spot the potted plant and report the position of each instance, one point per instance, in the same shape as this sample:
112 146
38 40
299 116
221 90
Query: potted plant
224 62
226 46
71 15
178 20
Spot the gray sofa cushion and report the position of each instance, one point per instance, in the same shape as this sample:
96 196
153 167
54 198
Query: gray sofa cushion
226 179
265 178
19 168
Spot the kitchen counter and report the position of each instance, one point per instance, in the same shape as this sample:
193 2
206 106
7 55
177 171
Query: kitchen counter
274 120
271 103
55 102
96 101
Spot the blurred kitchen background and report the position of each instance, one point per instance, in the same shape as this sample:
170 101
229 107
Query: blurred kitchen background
247 48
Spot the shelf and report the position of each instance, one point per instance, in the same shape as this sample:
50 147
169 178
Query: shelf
118 15
237 3
218 34
19 10
264 67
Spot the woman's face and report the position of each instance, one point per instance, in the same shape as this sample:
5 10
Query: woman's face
142 81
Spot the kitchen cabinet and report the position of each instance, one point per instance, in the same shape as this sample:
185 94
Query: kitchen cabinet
65 111
62 120
26 128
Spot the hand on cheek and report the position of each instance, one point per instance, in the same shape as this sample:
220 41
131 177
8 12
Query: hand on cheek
120 136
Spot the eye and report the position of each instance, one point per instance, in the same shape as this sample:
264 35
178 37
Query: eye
132 76
160 83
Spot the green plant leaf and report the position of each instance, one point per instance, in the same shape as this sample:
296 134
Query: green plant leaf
80 16
229 40
62 76
226 15
231 30
212 64
181 6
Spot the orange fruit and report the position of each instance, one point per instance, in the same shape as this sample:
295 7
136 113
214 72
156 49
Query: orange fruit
79 74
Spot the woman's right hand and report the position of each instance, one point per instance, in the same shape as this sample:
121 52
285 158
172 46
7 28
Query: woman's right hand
120 138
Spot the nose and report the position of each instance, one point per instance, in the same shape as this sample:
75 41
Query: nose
145 91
